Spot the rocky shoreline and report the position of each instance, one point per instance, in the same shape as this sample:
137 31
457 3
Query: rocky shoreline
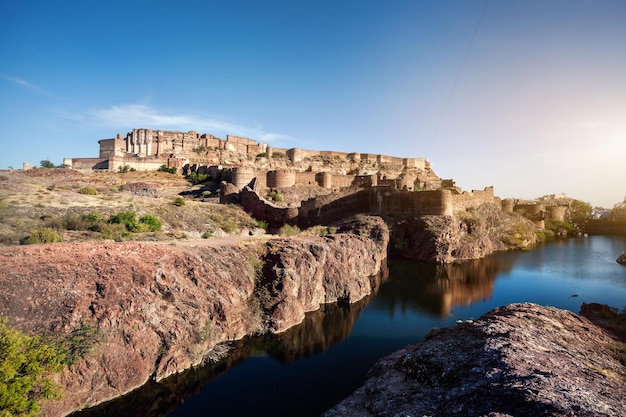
159 309
517 360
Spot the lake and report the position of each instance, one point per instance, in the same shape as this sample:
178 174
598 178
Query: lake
311 367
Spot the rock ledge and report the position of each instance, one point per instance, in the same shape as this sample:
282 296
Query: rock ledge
518 360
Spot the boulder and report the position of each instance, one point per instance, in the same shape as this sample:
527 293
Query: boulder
622 259
518 360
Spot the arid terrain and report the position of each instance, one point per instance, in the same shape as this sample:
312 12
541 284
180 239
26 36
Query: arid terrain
58 198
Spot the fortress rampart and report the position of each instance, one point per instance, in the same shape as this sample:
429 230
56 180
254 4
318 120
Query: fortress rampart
147 149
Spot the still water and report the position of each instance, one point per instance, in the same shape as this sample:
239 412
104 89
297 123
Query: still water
309 368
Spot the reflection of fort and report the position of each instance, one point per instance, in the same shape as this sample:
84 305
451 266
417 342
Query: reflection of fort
437 289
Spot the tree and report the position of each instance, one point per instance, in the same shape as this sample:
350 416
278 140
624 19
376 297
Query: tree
580 212
46 164
619 211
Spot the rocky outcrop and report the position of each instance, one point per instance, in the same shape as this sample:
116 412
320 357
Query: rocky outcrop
518 360
621 259
463 236
156 309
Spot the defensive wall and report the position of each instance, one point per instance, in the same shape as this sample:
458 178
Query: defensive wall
382 200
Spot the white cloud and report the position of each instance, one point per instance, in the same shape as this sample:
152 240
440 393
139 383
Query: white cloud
128 116
23 83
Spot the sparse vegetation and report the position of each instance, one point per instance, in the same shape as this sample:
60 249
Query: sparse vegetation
196 178
276 196
165 168
29 203
288 230
88 191
561 228
44 235
179 201
26 364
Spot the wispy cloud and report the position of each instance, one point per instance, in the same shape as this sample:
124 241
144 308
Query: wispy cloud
23 83
128 116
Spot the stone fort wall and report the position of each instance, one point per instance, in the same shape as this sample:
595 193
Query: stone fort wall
149 149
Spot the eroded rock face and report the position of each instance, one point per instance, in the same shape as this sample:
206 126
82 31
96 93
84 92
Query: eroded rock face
464 236
159 309
518 360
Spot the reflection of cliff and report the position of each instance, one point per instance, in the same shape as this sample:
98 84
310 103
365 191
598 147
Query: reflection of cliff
320 329
437 289
466 283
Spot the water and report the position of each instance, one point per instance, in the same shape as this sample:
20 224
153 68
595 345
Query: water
309 368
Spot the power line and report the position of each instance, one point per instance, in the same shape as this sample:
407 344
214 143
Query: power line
456 79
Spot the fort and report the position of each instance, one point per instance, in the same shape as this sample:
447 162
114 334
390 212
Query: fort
338 183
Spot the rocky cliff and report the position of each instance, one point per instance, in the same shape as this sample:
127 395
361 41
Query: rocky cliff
466 235
154 309
518 360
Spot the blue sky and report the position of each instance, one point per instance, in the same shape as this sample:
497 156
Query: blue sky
527 96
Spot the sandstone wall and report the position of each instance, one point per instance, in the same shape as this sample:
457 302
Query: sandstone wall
389 201
87 164
474 199
261 209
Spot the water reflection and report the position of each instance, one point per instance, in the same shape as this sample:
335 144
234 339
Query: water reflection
320 329
309 368
437 289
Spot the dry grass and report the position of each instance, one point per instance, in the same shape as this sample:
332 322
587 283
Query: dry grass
31 200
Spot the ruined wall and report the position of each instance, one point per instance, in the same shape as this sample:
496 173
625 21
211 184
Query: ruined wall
262 209
474 199
330 208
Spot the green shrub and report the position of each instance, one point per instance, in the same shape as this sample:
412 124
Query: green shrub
262 224
179 201
26 364
88 191
206 193
165 168
262 155
154 224
44 235
276 196
278 155
93 217
196 178
561 228
126 218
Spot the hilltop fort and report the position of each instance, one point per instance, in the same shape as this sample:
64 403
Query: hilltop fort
336 183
